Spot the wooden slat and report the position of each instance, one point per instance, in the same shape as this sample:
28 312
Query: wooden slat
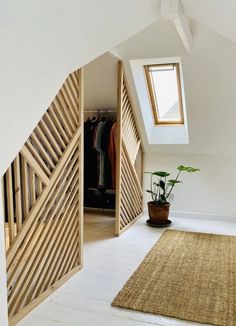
32 187
17 191
40 186
25 186
10 208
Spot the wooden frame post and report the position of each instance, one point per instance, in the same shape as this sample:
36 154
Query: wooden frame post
119 146
81 165
3 275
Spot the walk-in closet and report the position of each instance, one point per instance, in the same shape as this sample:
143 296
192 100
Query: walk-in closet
112 150
100 131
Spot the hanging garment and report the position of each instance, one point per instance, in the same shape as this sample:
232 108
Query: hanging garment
101 145
112 152
90 155
98 182
100 155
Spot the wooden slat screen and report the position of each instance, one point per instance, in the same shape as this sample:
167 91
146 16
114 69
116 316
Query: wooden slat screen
129 193
44 204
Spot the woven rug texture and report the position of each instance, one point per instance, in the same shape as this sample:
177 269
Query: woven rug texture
187 275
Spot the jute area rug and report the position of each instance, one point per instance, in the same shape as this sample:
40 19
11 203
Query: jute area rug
186 275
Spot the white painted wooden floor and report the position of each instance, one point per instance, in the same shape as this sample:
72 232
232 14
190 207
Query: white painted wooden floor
108 262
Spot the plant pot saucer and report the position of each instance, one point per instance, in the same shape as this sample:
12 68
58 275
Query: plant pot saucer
163 225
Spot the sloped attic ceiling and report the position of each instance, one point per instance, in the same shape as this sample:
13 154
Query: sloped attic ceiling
218 15
42 42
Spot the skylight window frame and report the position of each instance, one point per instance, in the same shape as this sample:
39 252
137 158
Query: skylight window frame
153 98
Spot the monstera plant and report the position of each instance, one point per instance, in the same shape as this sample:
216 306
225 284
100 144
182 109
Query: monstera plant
161 186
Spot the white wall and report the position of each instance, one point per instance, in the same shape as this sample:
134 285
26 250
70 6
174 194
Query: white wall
210 78
100 83
3 287
210 191
42 41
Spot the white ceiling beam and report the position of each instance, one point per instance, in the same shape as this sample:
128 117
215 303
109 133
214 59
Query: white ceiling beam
172 10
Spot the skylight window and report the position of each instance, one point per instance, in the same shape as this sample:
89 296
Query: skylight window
165 93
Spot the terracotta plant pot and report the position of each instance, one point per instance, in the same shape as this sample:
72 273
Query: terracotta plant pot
158 214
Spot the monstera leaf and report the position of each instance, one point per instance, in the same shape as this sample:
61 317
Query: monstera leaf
173 182
187 169
161 174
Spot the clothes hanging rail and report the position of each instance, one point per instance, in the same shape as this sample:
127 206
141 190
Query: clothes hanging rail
101 111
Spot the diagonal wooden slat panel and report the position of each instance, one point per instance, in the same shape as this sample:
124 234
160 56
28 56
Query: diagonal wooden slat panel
43 239
19 241
43 203
129 192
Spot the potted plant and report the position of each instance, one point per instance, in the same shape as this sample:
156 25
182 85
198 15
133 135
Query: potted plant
160 190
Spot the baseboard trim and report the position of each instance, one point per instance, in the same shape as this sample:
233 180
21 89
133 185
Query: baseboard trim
199 215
